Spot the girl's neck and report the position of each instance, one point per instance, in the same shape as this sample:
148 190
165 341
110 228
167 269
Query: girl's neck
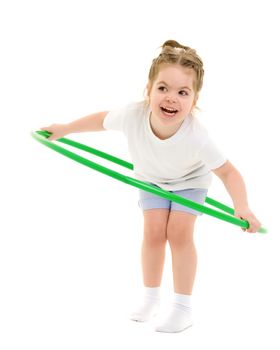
161 131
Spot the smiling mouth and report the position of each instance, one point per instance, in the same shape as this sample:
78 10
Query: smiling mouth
170 112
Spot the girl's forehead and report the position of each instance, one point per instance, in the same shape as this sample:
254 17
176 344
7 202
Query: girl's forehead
175 73
175 69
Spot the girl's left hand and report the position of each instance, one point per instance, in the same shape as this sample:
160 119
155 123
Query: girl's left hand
247 214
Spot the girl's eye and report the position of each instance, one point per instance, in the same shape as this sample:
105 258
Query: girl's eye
183 93
162 88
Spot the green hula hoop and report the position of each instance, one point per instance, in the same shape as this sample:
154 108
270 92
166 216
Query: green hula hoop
42 137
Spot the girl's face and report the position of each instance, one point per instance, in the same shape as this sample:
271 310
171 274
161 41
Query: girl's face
172 96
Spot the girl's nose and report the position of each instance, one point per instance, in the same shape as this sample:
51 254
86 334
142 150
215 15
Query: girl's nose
171 98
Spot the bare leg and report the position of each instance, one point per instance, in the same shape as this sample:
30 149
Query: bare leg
153 253
153 246
184 259
180 237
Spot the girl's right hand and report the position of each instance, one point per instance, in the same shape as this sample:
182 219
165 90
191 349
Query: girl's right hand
57 131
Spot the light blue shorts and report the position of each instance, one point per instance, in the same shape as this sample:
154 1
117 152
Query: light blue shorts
149 200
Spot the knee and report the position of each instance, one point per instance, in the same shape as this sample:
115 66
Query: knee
155 236
180 237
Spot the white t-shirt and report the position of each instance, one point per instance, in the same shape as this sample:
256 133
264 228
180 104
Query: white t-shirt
182 161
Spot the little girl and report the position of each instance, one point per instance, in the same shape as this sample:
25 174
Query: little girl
172 150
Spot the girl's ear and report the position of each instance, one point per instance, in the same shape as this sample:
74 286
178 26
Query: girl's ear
195 100
148 92
194 103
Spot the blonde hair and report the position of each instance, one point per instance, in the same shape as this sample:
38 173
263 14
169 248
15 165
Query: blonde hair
174 53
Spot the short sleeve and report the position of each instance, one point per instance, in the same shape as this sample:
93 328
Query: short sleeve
115 119
211 155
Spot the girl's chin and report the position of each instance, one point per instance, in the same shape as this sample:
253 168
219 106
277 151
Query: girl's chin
166 116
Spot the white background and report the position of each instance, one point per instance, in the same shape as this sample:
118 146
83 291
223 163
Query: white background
70 237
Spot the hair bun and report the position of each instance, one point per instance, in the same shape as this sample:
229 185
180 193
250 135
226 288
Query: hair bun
174 44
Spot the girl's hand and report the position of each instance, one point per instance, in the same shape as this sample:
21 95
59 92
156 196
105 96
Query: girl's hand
57 131
247 214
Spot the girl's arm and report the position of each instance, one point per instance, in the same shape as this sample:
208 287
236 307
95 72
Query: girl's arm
236 188
92 122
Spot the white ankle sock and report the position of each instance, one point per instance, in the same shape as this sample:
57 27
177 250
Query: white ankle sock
149 306
179 316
